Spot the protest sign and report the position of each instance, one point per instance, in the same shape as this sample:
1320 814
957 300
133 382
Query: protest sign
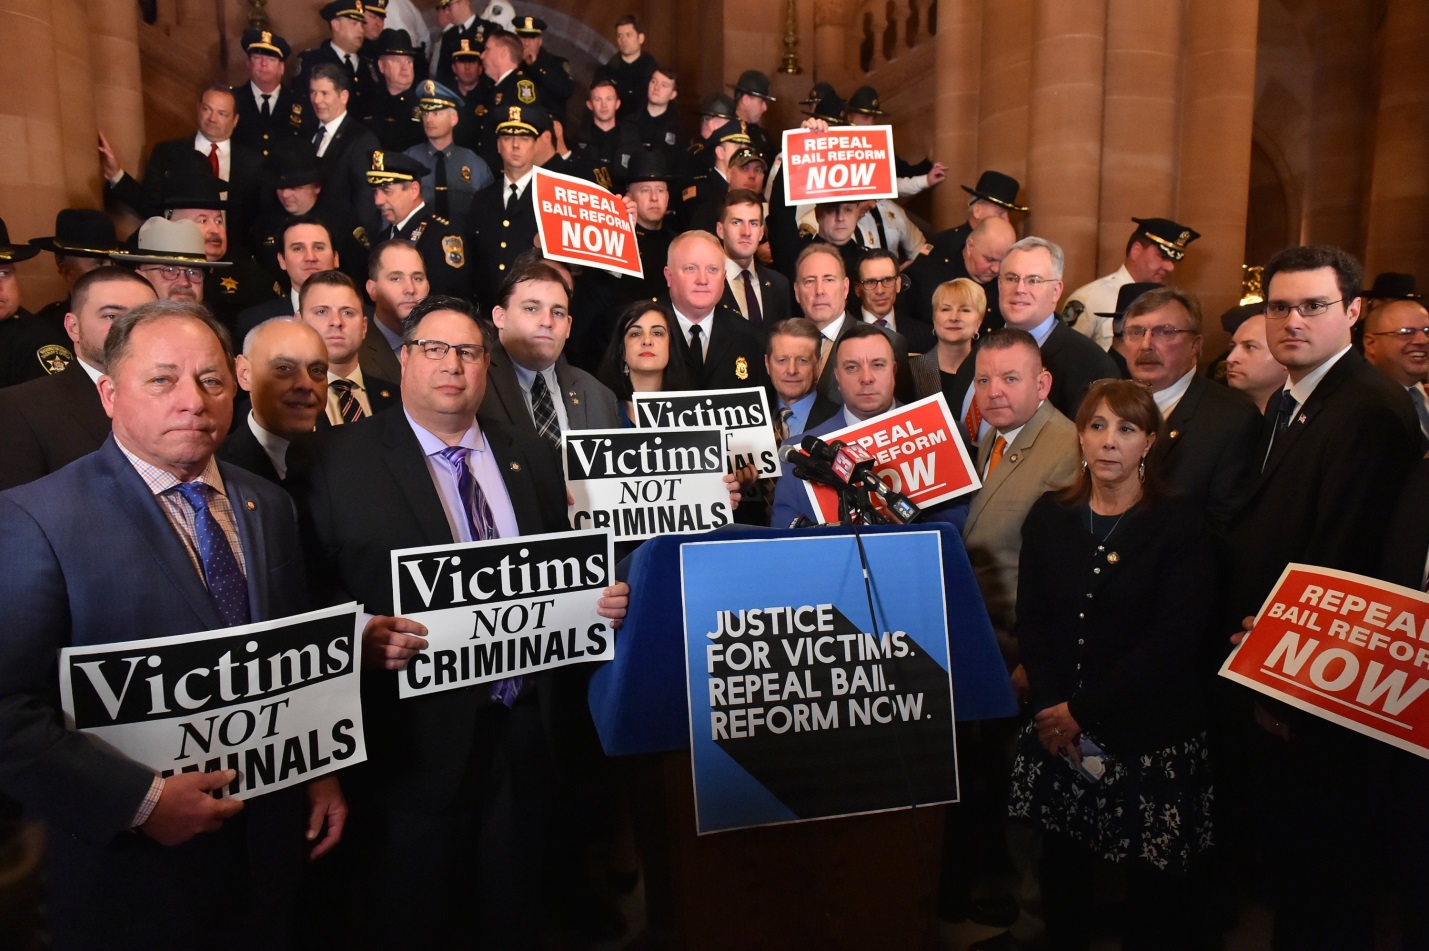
503 608
915 449
742 413
580 222
277 701
1350 649
849 163
639 483
800 706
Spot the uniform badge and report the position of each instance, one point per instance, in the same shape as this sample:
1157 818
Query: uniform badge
481 110
229 285
53 358
360 233
741 368
497 100
453 251
466 173
526 91
377 160
669 138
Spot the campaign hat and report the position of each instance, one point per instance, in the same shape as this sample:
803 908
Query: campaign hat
80 233
997 188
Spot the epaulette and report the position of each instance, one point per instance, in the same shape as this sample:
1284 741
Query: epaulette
440 220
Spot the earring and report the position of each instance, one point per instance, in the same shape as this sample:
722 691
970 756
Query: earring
624 368
1084 465
1141 469
975 336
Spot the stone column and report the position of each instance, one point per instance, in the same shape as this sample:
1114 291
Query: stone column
1218 106
1339 125
1006 81
835 46
119 94
958 59
1399 188
1064 147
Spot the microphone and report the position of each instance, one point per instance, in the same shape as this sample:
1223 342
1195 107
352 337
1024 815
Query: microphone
855 466
816 447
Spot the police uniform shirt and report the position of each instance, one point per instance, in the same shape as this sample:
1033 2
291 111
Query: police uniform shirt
442 246
552 75
888 226
525 378
467 174
521 184
395 119
1099 297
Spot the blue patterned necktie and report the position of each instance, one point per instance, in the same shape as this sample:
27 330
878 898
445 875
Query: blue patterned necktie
226 584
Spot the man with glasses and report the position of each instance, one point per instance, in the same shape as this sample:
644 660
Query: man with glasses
170 256
878 286
1031 279
1208 448
1337 443
1152 252
1396 342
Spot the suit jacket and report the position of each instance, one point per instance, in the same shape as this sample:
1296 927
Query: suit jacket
175 161
1207 449
365 492
777 297
903 387
89 558
344 165
1043 457
376 358
243 449
1407 542
48 423
1329 483
589 403
734 351
1075 364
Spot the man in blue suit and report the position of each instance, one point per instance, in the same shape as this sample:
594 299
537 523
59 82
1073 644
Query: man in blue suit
150 537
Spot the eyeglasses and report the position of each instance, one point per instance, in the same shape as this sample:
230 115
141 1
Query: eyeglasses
872 282
1279 310
438 349
172 273
1163 332
1404 332
1032 280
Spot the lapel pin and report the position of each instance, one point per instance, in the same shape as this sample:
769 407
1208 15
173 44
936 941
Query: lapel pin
515 466
1302 419
1112 558
252 506
1175 433
386 394
1013 457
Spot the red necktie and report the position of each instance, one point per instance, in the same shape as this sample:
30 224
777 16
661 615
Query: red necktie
213 158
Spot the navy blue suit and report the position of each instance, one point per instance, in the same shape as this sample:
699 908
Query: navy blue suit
88 557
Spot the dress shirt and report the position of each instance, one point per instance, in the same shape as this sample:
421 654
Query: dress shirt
293 298
1301 391
732 271
274 445
225 153
1167 399
258 95
398 226
869 317
1417 395
520 184
393 339
831 332
343 55
359 393
1042 331
94 374
525 378
483 469
799 418
852 419
330 128
706 325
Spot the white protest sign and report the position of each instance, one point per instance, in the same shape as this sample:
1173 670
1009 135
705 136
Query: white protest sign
742 413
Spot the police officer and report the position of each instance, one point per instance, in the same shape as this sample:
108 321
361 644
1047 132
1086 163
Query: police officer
297 185
267 113
345 20
465 25
454 173
704 195
30 347
1152 253
392 112
396 188
552 73
503 216
751 101
509 86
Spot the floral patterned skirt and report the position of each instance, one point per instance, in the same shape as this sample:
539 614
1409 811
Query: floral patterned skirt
1151 807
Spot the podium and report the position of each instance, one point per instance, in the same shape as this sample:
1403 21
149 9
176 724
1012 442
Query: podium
853 882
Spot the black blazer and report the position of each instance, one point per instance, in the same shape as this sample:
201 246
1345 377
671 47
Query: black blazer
364 492
344 165
1136 626
1329 485
48 423
734 351
777 297
1207 449
243 450
904 389
1075 364
174 162
1406 542
496 235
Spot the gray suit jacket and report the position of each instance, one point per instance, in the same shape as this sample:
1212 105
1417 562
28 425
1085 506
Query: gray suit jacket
378 359
1044 456
589 403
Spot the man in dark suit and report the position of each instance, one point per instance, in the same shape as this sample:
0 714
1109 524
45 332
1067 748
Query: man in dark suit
283 368
305 248
1207 449
343 147
267 112
506 86
329 303
396 282
760 294
1337 445
107 550
46 424
721 349
456 791
1031 279
877 286
529 389
974 251
343 50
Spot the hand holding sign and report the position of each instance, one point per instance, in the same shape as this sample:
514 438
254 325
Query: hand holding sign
851 163
581 223
186 808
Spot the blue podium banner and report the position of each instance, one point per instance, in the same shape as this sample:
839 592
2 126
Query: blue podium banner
811 693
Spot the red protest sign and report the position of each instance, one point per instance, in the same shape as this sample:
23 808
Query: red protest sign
915 449
851 163
1349 649
581 223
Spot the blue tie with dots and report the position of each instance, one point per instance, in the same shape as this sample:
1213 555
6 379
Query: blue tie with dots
226 584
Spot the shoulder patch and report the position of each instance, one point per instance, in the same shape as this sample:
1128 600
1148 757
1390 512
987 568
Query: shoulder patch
53 358
526 91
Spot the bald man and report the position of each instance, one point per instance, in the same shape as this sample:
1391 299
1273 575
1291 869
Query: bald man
1396 342
977 257
283 367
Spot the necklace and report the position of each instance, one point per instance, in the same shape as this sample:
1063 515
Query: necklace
1111 557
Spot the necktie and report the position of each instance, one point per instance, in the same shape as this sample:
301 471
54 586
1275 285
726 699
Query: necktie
881 323
226 584
439 184
973 420
318 140
548 424
781 425
1421 406
264 109
1283 415
697 353
511 196
347 406
751 299
347 61
213 159
998 448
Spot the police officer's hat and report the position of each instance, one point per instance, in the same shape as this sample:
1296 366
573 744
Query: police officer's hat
1126 295
80 233
349 9
466 51
821 89
378 7
734 131
997 188
197 190
10 253
753 83
718 105
432 96
161 241
390 167
744 156
524 120
830 108
299 168
1167 235
529 26
864 100
395 43
265 43
1393 285
648 165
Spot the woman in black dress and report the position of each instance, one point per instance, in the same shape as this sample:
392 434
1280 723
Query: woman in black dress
1115 591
